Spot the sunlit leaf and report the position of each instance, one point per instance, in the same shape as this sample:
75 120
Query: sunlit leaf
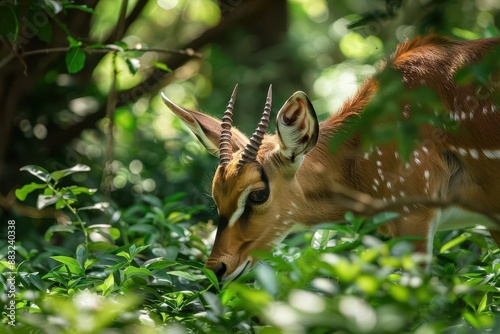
454 242
133 64
162 66
125 255
21 193
102 206
82 8
59 174
44 200
70 262
158 263
482 304
37 171
320 239
108 285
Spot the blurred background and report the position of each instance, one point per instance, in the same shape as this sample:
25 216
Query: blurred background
108 114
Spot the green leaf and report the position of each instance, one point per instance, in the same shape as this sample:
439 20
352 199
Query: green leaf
38 171
187 275
454 242
122 46
162 66
81 255
101 206
211 277
60 229
71 263
134 271
44 200
37 282
114 233
75 59
134 250
44 32
59 174
133 64
158 264
107 286
471 319
125 255
82 8
23 192
320 239
9 26
482 304
75 190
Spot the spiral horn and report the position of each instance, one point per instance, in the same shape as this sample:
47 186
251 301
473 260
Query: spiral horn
225 147
250 152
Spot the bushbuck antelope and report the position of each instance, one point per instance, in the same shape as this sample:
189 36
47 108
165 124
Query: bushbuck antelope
265 185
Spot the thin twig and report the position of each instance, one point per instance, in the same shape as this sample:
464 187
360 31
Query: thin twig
90 50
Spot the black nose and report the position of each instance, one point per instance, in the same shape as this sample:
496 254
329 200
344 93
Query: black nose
220 270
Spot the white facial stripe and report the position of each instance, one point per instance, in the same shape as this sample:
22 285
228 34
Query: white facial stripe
241 206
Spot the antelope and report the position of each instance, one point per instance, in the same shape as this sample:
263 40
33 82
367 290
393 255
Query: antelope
267 185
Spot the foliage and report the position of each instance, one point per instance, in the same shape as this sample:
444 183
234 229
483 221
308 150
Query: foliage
122 276
83 90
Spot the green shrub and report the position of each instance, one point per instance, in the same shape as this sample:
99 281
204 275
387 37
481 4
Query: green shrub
142 272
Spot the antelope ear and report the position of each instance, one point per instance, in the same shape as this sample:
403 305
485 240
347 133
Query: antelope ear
206 128
298 127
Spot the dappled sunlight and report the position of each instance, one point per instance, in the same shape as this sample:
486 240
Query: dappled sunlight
106 201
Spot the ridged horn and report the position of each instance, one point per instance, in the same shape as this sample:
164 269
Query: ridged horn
250 152
225 147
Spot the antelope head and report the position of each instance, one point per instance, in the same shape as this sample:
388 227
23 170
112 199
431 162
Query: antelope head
255 178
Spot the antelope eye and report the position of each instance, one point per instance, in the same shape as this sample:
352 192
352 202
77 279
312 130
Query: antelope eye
259 196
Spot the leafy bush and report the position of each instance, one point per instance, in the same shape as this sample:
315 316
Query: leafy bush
142 273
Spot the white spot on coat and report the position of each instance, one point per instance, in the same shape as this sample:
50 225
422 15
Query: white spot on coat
473 153
492 154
